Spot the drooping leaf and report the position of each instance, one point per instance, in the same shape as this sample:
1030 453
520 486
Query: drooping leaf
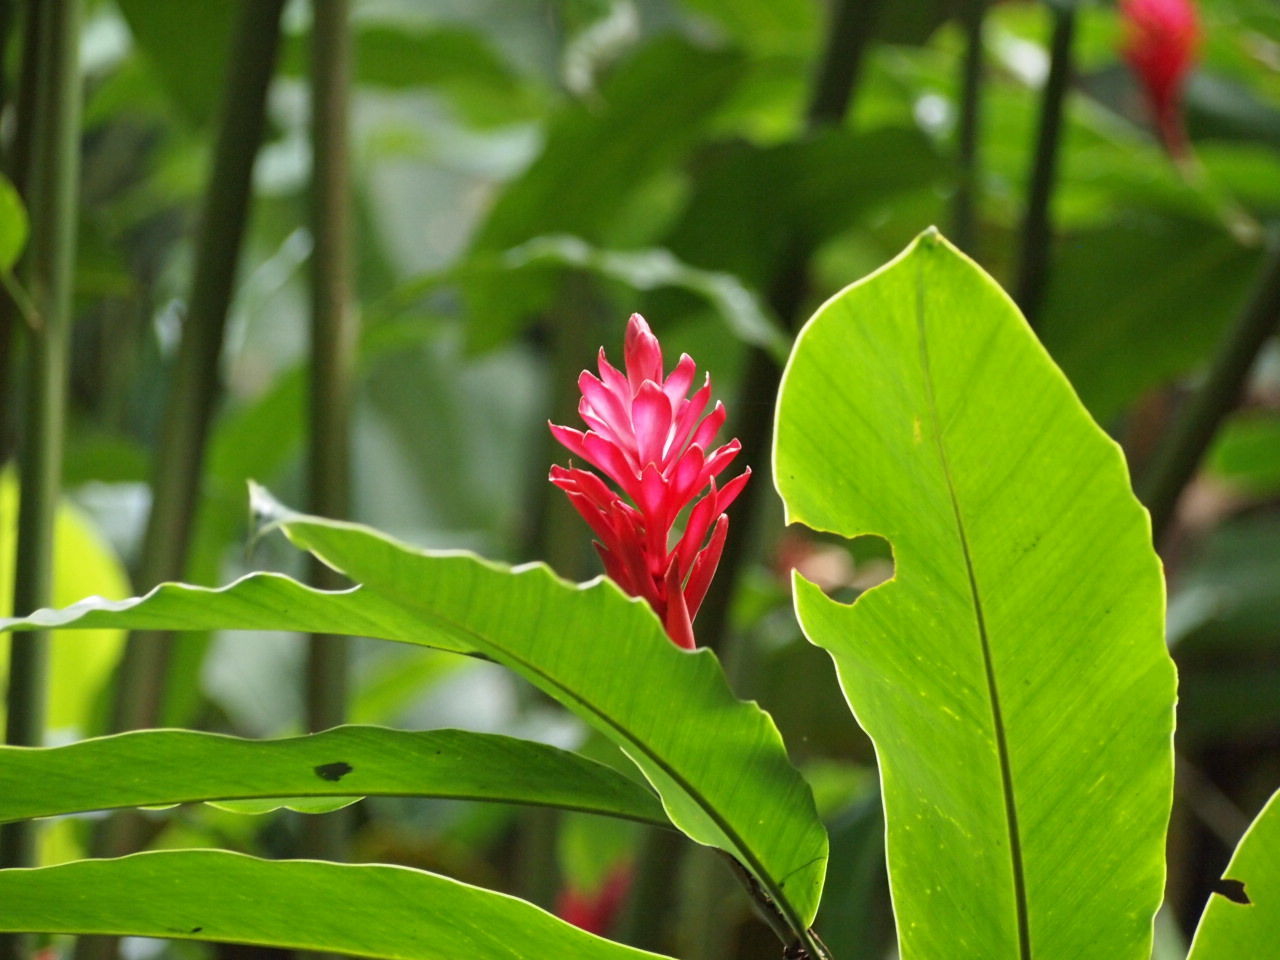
655 268
1013 673
368 910
1242 918
718 763
156 767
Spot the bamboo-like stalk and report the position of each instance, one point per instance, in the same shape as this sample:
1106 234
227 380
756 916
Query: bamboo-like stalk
179 456
141 678
17 164
972 17
49 267
1179 456
333 339
1037 231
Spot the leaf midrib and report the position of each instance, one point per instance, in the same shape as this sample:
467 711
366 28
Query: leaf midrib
993 693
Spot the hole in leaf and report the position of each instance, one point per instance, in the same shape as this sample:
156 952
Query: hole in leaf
843 569
1233 890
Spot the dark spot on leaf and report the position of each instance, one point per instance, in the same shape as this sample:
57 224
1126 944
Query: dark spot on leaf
1233 890
333 772
196 929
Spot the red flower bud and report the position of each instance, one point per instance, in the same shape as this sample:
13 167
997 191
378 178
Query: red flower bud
647 435
1160 46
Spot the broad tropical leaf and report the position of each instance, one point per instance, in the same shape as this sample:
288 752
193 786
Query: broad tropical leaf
258 601
366 910
1242 918
155 767
718 763
1013 673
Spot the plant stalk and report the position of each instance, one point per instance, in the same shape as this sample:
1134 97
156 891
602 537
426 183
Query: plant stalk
1179 456
333 341
972 17
17 164
1033 271
55 168
179 455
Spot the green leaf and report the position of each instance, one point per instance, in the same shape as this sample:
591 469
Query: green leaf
258 601
718 763
458 62
1013 674
1242 918
648 116
187 45
13 225
1162 290
733 225
366 910
739 307
650 113
154 767
605 656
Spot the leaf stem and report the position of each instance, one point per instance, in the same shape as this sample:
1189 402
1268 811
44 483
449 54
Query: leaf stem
54 180
1185 445
333 338
1033 272
972 16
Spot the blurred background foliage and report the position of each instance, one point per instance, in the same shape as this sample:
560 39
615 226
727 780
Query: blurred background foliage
525 175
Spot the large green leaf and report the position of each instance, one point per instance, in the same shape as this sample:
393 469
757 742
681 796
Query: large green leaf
718 763
366 910
258 601
1013 673
157 767
1242 919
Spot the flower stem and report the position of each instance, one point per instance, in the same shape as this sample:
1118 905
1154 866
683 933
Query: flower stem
1033 272
1176 461
53 181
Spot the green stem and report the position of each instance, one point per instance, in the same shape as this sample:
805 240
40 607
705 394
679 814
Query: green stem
1033 272
17 164
50 261
972 17
179 455
333 339
1176 461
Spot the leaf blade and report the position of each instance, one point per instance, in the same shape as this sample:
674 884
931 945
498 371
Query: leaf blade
1023 626
155 767
1242 918
403 914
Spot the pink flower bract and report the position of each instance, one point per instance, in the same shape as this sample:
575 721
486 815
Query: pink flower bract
1160 46
649 436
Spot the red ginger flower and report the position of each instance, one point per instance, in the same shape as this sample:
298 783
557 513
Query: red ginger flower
647 435
1160 46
